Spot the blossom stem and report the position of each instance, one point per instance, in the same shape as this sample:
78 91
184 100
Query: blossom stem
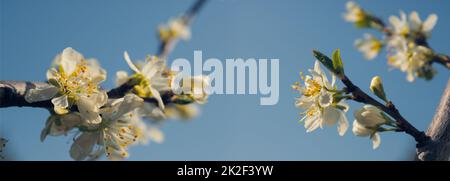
443 60
165 47
389 108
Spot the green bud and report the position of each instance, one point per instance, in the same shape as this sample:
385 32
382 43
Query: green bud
335 65
376 86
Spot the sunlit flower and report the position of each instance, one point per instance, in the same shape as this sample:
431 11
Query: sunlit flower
370 46
176 28
73 81
411 59
117 131
367 121
400 24
196 87
152 78
319 102
354 14
420 27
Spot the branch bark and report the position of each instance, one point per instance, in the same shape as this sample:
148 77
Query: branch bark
438 147
389 108
12 94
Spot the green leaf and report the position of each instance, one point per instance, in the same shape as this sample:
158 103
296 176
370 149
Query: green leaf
327 62
337 63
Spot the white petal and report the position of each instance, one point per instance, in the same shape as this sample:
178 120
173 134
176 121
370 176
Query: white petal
130 63
429 24
157 96
69 60
360 130
149 69
330 116
342 123
121 78
376 140
83 145
415 20
394 21
41 93
88 110
51 73
156 135
152 111
129 103
312 123
97 74
60 104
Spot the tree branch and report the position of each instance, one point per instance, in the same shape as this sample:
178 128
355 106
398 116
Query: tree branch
12 94
166 47
389 108
438 147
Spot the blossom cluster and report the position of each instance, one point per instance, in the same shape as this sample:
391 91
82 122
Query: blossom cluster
324 103
405 40
104 125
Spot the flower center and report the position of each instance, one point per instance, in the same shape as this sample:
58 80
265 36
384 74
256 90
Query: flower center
312 88
75 83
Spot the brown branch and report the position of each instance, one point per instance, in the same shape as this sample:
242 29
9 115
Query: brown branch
389 108
438 147
442 59
12 94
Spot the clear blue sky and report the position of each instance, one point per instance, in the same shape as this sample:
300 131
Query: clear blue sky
230 127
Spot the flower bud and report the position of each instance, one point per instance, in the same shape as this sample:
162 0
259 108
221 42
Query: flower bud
376 86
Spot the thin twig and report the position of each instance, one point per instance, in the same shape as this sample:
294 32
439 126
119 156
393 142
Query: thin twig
165 48
389 108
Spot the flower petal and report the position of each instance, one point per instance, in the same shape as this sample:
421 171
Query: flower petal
376 140
83 145
60 104
88 110
121 78
415 20
129 103
330 116
157 96
41 93
429 24
342 123
69 60
130 63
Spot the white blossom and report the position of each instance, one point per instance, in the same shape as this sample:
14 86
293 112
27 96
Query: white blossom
319 102
73 81
176 28
367 120
370 46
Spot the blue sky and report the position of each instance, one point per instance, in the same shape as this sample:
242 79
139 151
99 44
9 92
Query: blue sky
230 127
